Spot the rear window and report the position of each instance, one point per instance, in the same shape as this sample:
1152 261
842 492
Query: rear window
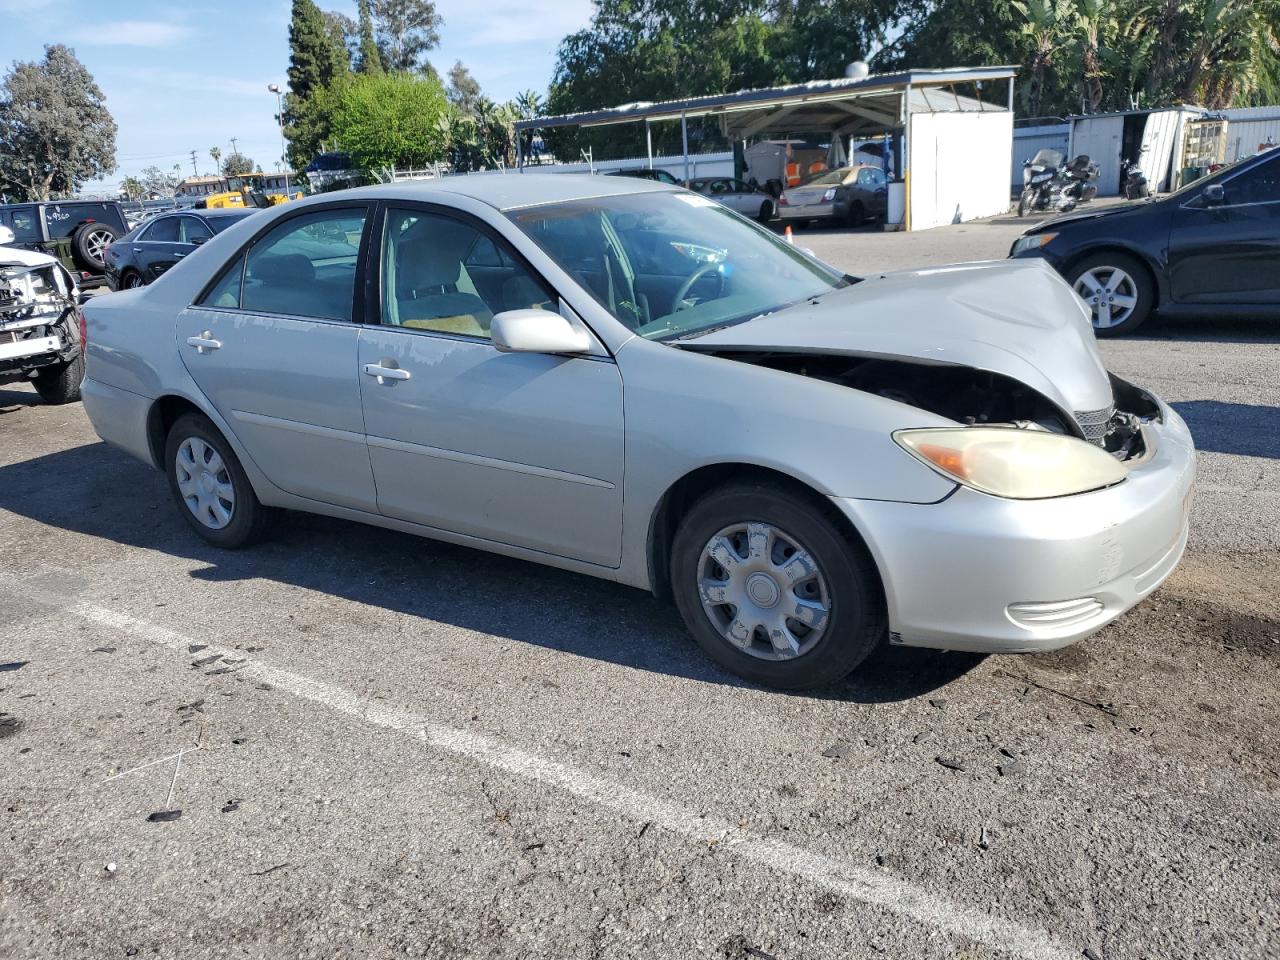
64 218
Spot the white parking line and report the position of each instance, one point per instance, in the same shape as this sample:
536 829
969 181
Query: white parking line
839 876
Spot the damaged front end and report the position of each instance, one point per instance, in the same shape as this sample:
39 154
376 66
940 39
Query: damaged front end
972 396
39 318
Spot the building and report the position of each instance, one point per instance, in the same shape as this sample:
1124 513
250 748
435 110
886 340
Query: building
201 186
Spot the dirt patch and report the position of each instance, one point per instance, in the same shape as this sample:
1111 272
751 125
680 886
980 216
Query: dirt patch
1217 623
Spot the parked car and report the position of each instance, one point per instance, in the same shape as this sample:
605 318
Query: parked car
1211 248
448 358
77 232
851 195
41 328
152 247
737 195
643 173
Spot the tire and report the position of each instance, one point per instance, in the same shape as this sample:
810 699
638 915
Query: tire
1135 282
246 520
766 212
89 244
857 214
131 280
844 583
60 384
1024 204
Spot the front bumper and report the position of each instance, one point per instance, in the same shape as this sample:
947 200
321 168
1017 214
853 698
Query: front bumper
980 573
811 212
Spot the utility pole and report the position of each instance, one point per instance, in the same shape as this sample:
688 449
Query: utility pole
234 149
284 153
194 171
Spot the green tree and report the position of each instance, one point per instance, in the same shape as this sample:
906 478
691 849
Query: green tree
215 154
155 180
316 60
407 29
463 90
388 120
368 56
55 129
132 188
236 164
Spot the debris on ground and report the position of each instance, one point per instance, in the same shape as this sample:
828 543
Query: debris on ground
164 816
263 873
921 737
205 661
15 665
838 750
103 650
9 725
939 704
231 806
196 647
950 764
1012 769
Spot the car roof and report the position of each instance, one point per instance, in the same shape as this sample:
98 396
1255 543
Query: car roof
507 191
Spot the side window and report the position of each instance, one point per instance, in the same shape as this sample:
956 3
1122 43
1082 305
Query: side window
306 266
226 292
194 231
163 230
441 274
24 226
1259 185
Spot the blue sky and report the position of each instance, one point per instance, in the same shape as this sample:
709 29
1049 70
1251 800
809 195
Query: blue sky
189 76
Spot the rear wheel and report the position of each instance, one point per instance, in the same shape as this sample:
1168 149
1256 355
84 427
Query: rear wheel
130 280
772 591
212 491
1117 289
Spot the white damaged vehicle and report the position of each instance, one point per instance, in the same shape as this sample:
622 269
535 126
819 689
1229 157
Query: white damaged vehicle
41 328
634 382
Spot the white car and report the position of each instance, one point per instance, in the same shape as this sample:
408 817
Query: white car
630 381
41 328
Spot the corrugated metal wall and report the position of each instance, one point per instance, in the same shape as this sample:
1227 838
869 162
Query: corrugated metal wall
1249 127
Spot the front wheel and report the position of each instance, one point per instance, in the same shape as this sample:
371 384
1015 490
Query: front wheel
771 589
212 491
1117 290
1024 203
60 384
766 212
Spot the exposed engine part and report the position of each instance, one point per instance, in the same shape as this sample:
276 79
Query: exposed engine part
38 318
970 396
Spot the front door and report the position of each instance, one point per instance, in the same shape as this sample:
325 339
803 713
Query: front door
518 448
159 247
273 346
1229 252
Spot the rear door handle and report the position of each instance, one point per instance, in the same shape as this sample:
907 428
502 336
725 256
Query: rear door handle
385 373
204 343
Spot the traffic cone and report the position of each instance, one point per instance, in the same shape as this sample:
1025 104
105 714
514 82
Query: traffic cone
787 235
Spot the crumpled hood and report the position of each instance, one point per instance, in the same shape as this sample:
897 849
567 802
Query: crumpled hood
18 257
1013 317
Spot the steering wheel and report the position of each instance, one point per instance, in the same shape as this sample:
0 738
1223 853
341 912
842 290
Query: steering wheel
678 303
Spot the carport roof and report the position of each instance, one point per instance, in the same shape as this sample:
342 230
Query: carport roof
815 106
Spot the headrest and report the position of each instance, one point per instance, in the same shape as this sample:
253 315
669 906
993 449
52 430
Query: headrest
291 268
425 262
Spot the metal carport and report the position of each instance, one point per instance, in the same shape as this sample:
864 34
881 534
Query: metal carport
952 134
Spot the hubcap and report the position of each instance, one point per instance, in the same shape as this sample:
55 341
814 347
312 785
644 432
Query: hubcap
1110 293
133 281
205 483
763 591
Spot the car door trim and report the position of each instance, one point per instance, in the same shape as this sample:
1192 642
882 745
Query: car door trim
311 429
512 466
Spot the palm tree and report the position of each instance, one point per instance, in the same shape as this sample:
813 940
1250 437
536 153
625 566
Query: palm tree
215 154
1043 34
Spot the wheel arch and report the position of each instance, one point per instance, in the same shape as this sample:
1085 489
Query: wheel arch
164 413
675 502
1154 274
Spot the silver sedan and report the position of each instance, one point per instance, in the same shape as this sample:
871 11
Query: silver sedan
627 380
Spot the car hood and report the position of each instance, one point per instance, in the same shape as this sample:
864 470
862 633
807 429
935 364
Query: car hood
1013 317
17 257
1128 208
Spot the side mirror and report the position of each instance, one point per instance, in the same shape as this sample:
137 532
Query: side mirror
196 241
6 236
537 331
1214 195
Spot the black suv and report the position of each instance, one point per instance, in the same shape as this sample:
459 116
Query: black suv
77 232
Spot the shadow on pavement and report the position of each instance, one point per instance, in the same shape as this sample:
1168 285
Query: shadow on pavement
97 491
13 400
1250 430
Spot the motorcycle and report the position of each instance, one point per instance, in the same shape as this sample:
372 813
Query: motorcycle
1079 180
1042 184
1134 181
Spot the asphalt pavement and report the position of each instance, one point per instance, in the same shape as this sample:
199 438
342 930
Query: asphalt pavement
351 743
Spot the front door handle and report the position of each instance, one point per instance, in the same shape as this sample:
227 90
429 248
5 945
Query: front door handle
204 343
385 373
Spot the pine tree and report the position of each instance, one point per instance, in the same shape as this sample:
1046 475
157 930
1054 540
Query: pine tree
369 58
316 60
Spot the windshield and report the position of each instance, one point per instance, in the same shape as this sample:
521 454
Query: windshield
828 176
671 265
1047 158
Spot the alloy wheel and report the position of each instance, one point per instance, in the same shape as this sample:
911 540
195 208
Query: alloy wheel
132 282
205 483
96 242
763 591
1110 293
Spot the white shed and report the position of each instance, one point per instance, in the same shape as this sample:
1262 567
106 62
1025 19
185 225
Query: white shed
1152 137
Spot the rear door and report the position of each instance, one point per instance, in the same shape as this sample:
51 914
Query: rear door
273 345
1229 253
158 247
519 448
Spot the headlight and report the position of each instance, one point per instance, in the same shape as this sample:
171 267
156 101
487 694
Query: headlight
829 195
1011 462
1033 242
